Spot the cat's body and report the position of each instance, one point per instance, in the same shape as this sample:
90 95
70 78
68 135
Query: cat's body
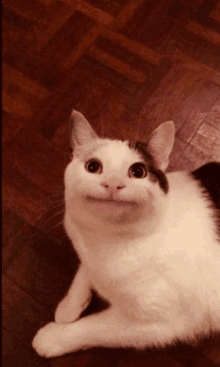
149 243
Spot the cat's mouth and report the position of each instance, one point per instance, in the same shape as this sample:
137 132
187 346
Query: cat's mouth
110 201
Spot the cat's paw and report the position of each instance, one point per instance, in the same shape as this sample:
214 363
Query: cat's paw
64 313
50 340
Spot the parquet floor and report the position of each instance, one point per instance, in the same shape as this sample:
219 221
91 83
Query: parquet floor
128 65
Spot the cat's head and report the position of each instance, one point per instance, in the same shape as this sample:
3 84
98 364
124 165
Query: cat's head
116 181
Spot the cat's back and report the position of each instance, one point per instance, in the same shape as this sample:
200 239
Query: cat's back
209 178
195 206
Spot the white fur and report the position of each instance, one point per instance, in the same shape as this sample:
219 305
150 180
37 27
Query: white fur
157 263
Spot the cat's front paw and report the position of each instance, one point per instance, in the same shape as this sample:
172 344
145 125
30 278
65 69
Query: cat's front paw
50 340
65 312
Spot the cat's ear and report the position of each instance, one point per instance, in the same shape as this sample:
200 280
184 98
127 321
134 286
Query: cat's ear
81 131
160 144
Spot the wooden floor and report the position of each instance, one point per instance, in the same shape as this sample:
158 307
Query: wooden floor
128 65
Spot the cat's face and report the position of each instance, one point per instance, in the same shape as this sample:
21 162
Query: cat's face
111 180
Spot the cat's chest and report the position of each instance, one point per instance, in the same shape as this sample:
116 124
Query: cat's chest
121 263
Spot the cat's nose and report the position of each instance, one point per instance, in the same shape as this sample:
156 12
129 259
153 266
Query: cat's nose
110 186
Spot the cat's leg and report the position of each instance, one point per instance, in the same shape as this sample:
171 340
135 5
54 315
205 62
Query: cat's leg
105 329
76 300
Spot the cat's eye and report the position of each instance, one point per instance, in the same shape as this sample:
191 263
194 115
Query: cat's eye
137 170
93 166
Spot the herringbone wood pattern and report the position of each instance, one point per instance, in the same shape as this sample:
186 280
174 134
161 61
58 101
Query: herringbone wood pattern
128 65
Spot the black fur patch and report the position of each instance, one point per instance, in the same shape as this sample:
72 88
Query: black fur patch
159 176
209 178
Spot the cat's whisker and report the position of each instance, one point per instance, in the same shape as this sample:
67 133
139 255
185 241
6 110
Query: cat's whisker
58 194
55 198
48 220
56 214
56 204
59 197
58 224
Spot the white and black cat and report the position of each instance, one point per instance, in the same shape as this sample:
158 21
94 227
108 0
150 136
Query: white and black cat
148 242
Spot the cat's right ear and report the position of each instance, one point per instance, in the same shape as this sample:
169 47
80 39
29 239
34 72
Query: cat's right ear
81 131
161 143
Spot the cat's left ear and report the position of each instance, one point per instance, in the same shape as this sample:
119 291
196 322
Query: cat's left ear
161 143
81 131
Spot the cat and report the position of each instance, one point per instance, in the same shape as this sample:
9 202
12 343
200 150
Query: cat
148 242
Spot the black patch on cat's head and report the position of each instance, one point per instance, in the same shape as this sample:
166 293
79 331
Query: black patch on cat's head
158 175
